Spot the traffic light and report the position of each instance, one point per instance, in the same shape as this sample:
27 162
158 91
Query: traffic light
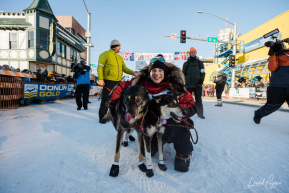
183 36
232 61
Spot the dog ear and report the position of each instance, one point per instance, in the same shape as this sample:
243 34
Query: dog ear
157 98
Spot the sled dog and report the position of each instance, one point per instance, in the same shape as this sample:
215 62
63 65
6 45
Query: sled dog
135 110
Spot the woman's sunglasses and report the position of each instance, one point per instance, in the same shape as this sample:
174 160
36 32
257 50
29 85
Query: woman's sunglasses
157 59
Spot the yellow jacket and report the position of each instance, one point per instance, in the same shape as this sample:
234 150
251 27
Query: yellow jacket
111 66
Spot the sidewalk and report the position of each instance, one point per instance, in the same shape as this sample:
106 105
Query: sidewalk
252 103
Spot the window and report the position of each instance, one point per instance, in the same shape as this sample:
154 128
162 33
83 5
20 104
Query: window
73 55
70 30
81 39
13 41
63 50
58 48
43 40
31 39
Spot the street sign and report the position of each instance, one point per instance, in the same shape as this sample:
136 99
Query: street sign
212 39
174 36
92 64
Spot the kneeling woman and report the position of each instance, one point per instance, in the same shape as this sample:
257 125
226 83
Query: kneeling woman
165 78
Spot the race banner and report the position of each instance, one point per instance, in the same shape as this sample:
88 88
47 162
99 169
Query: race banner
188 54
71 89
183 54
44 91
177 55
131 56
149 56
126 55
261 93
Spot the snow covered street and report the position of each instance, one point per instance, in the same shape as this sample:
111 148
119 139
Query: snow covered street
55 148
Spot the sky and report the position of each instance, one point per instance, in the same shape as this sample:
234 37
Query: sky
140 26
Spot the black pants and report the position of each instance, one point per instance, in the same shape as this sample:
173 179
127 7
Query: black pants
82 89
104 98
219 90
276 96
198 97
179 136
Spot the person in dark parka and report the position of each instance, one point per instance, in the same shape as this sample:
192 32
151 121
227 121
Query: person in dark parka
39 76
220 81
194 72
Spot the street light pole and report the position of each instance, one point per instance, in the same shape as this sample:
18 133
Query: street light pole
234 44
88 45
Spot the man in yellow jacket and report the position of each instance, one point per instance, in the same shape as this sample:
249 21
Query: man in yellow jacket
110 69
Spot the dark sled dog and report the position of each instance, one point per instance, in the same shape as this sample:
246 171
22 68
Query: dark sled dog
134 110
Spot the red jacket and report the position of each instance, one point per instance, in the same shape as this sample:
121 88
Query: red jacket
279 67
185 101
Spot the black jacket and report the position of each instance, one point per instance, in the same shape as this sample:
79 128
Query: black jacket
40 77
221 79
194 72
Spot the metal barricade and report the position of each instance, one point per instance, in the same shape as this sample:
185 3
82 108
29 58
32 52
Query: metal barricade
11 89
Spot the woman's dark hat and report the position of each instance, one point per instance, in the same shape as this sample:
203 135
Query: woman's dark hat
157 62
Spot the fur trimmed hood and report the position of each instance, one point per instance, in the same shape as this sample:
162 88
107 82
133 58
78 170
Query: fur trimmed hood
173 74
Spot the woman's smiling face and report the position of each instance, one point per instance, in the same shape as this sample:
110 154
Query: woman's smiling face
157 75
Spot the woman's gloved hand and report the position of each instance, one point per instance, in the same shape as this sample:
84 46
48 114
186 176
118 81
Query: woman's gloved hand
100 82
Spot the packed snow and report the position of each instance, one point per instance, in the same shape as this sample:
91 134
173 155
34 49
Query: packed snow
55 148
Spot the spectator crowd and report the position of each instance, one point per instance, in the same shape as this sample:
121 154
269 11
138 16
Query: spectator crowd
208 89
45 76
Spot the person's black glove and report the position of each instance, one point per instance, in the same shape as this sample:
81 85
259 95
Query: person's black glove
80 66
271 51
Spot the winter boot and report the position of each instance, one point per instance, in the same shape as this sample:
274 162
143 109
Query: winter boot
257 117
219 103
182 163
201 116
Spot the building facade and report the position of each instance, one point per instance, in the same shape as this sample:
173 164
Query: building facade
76 29
252 55
34 39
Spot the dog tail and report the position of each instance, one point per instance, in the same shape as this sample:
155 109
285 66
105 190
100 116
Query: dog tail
107 117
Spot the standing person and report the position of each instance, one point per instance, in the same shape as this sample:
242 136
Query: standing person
194 72
45 73
278 90
161 78
39 76
205 91
212 90
82 85
220 81
110 69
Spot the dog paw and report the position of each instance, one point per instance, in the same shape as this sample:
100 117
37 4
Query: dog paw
131 138
162 167
125 143
114 170
142 167
149 173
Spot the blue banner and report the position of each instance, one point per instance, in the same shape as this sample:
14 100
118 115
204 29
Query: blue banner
44 91
256 44
131 56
